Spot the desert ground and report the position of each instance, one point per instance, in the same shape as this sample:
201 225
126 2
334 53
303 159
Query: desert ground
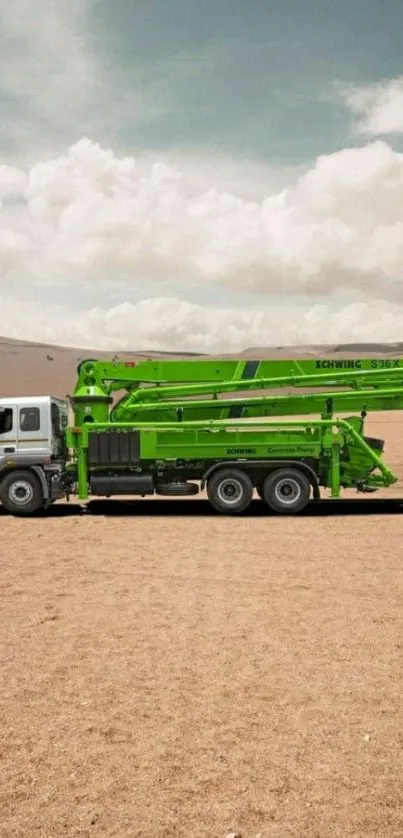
168 672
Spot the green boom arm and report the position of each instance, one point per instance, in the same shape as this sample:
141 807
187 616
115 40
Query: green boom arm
158 391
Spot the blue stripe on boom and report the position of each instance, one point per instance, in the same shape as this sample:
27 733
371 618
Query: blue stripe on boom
250 370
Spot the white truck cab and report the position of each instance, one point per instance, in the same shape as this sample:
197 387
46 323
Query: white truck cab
32 450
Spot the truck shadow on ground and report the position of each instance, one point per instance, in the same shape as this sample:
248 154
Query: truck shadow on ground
202 509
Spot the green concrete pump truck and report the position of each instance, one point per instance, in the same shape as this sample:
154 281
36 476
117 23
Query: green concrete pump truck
185 426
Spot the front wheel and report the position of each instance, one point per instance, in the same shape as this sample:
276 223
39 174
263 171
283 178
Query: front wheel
21 493
230 491
287 491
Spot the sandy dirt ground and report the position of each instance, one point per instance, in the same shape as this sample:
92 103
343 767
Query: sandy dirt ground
169 672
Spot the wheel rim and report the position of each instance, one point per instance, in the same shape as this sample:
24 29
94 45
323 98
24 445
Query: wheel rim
287 491
230 491
21 493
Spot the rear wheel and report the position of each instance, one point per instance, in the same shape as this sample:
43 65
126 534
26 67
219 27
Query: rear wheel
230 491
287 491
21 493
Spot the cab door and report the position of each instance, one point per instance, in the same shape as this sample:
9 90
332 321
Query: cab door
8 432
33 432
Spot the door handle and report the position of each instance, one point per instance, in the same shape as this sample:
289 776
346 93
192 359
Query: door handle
9 450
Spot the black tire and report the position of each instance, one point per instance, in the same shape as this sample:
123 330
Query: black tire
21 493
176 489
230 490
287 490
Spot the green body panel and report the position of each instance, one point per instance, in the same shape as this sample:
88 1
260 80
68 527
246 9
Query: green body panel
225 443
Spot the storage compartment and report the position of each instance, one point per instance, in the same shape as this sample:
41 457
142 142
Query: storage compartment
113 448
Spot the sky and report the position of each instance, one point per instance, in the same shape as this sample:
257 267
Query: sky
201 175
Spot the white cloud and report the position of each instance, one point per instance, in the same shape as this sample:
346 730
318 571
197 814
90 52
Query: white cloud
106 226
163 324
58 80
48 41
378 107
91 217
49 76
